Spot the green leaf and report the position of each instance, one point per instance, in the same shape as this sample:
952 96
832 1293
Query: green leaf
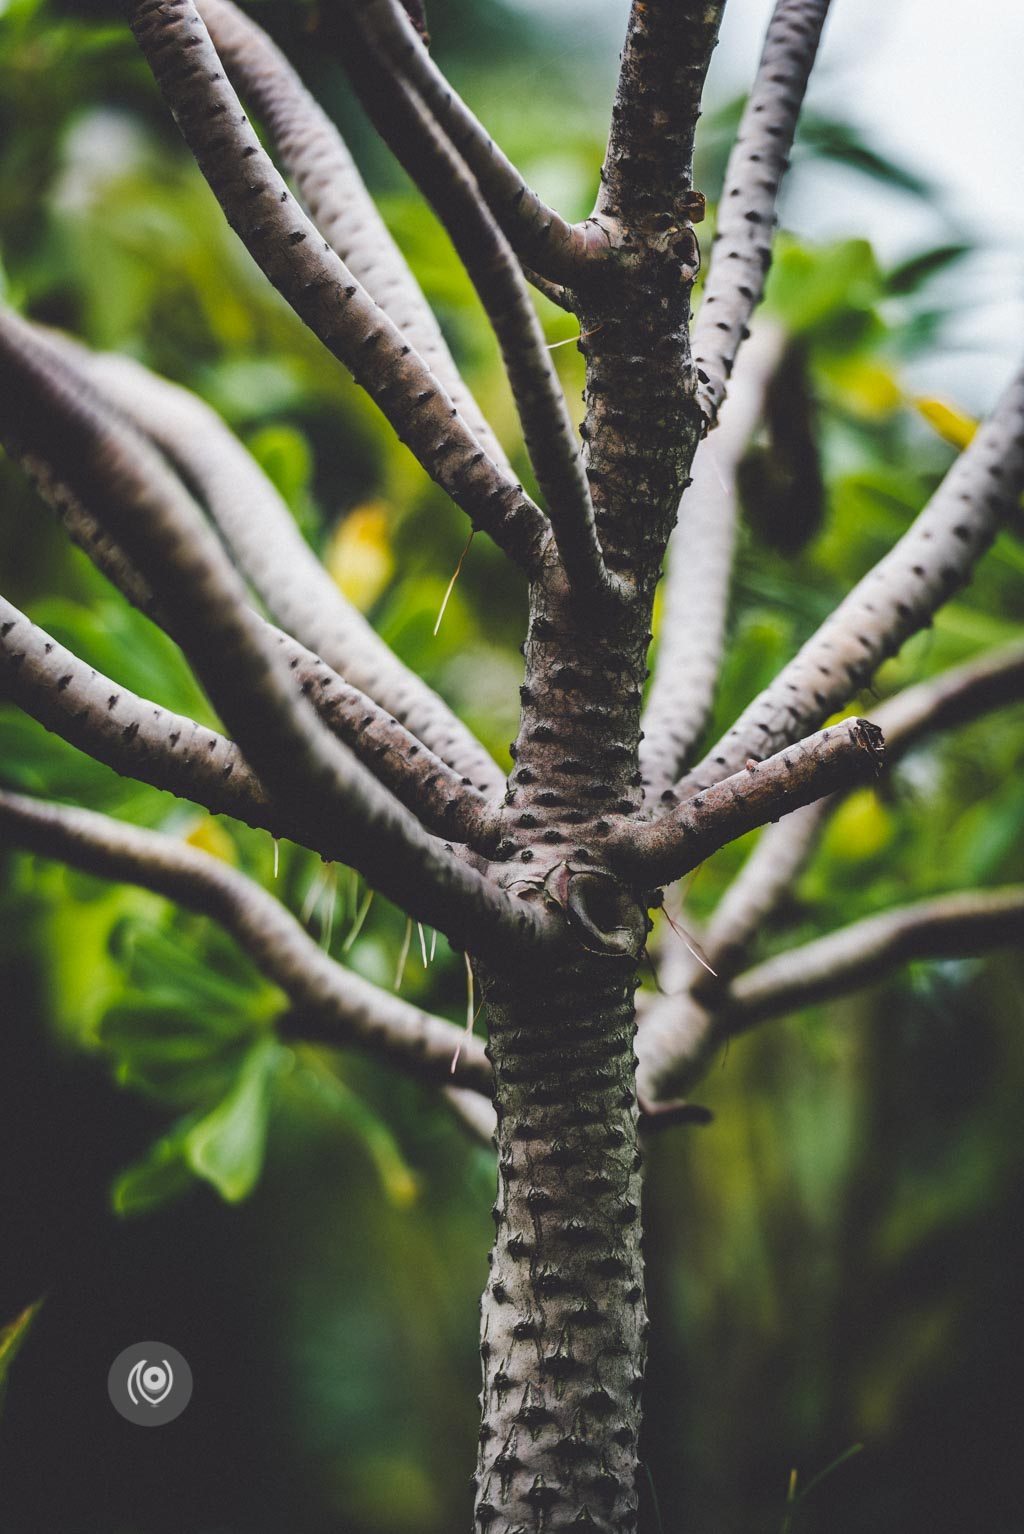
284 454
830 290
840 1459
915 272
36 762
317 1080
180 1057
191 964
148 1026
163 1174
243 388
12 1337
838 141
226 1147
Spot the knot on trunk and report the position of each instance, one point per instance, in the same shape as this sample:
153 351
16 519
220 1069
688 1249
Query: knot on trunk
599 910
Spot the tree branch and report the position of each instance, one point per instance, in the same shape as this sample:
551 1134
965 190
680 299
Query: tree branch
554 292
540 237
132 735
952 698
475 1113
142 740
359 1012
82 527
951 926
162 532
655 852
679 1032
317 159
647 174
441 175
768 875
742 249
696 592
894 600
443 801
675 1043
261 533
295 257
679 1036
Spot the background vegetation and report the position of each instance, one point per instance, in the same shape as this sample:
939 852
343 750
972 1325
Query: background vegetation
834 1262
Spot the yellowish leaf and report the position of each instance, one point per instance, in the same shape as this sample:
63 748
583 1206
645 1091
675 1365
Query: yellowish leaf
867 387
11 1338
359 556
861 827
952 425
208 835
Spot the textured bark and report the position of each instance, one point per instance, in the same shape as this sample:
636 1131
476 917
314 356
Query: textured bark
559 1445
140 739
698 570
563 1319
259 530
133 735
292 253
443 801
665 849
154 521
647 176
84 530
317 159
548 431
894 600
538 235
742 249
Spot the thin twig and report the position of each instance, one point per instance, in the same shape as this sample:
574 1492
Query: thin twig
295 257
742 249
897 598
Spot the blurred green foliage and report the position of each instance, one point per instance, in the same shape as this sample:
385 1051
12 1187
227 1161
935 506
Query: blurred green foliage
830 1263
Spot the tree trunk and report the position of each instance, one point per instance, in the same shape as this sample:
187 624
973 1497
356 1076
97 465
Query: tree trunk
563 1319
563 1316
549 896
